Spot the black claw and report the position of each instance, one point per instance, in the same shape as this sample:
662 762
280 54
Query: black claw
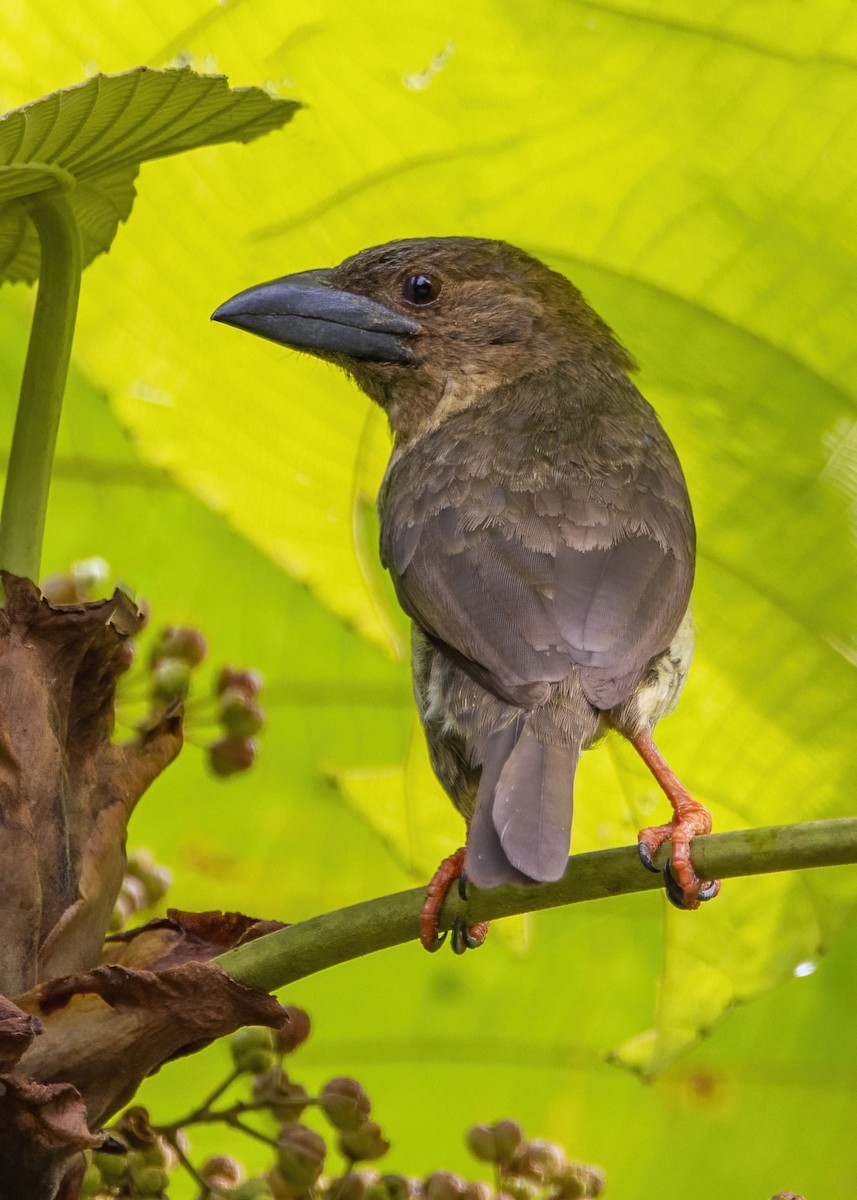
462 885
674 890
646 858
461 940
440 938
710 890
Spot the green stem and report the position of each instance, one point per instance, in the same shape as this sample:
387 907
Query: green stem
289 954
28 480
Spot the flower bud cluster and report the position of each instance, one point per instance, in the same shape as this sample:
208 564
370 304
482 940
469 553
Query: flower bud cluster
299 1167
84 580
532 1170
239 717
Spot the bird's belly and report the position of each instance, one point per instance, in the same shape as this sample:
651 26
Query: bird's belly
657 693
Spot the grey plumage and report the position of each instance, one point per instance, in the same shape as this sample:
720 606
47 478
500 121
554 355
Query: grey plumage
535 522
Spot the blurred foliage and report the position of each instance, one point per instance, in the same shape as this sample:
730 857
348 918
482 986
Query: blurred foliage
694 173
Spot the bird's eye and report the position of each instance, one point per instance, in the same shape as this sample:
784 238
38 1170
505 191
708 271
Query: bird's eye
419 289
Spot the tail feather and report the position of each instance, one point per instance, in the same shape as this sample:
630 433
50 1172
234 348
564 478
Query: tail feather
521 827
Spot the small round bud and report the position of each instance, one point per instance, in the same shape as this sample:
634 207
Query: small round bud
90 575
231 755
363 1144
481 1144
252 1189
170 679
508 1138
353 1186
155 879
345 1103
152 1156
519 1188
300 1156
293 1032
479 1190
125 655
579 1180
246 682
240 716
181 642
113 1168
61 589
93 1183
393 1187
148 1180
495 1143
133 893
252 1049
444 1185
286 1100
540 1161
222 1171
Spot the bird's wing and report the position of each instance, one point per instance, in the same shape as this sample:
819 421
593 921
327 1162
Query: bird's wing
525 585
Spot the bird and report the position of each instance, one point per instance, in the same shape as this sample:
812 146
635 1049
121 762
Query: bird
537 527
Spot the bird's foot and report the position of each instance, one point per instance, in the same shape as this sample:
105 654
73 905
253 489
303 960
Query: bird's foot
464 937
683 886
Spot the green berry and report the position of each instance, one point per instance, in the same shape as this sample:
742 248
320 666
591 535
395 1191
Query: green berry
300 1156
240 716
149 1180
113 1168
252 1049
170 679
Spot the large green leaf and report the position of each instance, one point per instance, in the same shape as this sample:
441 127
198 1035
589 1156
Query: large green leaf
90 140
692 172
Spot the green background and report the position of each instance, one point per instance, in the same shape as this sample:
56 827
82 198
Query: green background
694 174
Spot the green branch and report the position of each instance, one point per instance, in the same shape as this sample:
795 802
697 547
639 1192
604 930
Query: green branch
289 954
28 480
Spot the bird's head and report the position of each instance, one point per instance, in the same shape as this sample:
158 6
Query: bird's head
428 325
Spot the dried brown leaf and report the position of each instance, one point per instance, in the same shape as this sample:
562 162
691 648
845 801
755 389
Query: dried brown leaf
42 1128
17 1030
105 1030
66 791
183 937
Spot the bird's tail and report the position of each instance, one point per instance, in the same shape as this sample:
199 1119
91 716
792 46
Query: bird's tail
521 826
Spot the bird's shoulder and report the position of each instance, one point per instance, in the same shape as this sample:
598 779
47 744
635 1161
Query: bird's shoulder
556 458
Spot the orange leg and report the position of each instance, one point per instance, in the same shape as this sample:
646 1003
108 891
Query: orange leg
463 937
684 888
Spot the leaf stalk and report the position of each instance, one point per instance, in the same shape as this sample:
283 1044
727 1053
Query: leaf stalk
28 479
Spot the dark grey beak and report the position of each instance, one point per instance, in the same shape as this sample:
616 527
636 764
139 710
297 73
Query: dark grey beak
306 312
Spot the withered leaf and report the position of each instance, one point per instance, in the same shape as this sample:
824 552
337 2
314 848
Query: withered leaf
66 791
42 1127
184 937
17 1030
105 1030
